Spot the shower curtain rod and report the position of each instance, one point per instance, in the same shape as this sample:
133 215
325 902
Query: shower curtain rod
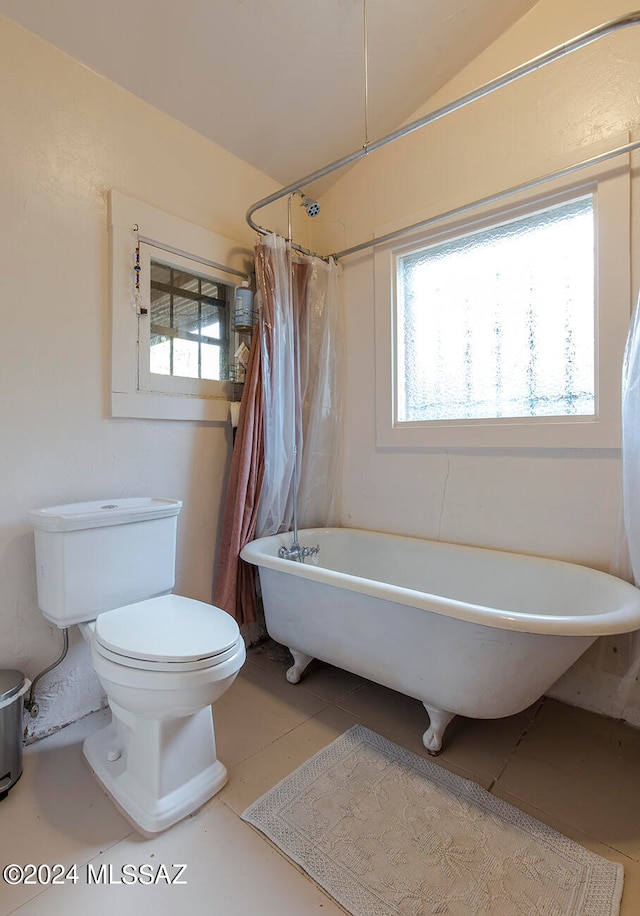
511 76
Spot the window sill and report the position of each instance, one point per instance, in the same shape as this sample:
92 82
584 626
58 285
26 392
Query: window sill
143 406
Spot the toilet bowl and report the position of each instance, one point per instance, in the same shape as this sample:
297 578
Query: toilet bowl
157 758
162 660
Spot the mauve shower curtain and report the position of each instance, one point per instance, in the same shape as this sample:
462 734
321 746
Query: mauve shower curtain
235 589
292 401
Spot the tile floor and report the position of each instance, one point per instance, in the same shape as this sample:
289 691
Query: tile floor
576 771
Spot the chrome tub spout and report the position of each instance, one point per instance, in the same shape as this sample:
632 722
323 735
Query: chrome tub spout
297 552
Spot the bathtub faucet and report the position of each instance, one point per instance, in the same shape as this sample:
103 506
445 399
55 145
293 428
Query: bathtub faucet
298 553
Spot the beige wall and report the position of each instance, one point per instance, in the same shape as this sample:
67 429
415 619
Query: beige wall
554 503
67 137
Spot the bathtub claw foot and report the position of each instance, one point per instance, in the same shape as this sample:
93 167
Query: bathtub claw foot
301 661
438 721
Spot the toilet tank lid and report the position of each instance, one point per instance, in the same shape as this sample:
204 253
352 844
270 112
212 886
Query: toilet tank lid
101 513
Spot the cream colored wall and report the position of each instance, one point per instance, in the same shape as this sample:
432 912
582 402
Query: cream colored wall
553 503
67 137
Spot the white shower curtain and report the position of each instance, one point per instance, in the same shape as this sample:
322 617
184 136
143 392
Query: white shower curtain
302 390
275 509
627 560
631 443
321 358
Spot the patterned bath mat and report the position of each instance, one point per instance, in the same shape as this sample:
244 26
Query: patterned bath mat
388 833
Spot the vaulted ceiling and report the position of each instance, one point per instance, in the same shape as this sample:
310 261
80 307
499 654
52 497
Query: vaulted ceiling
279 83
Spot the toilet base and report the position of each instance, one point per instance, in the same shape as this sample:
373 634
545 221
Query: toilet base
156 771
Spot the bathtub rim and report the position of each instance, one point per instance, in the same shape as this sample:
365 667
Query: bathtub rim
623 619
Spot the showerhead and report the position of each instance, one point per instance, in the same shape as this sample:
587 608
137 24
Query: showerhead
311 206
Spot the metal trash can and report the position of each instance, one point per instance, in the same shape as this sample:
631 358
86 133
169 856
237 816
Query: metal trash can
13 686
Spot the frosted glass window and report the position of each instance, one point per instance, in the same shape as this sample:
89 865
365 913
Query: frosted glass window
500 322
189 325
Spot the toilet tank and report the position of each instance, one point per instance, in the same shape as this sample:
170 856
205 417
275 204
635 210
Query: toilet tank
96 556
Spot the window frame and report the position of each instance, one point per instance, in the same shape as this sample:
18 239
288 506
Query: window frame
610 187
134 391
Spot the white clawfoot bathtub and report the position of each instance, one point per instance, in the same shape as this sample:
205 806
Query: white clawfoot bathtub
466 630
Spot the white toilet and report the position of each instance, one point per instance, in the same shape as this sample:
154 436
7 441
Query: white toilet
162 659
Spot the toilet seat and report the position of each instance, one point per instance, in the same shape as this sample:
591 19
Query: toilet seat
168 633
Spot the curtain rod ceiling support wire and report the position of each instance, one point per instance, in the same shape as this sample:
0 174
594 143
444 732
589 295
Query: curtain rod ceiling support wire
510 76
365 145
